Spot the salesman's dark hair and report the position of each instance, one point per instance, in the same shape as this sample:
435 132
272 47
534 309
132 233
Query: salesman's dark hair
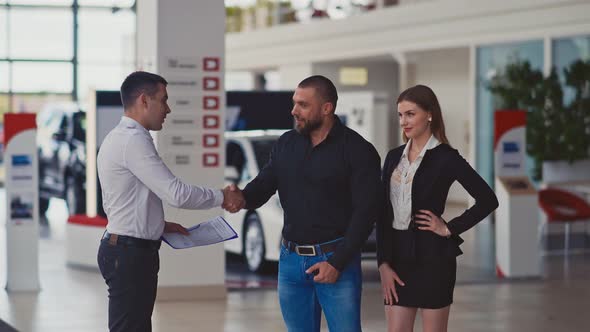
137 83
323 86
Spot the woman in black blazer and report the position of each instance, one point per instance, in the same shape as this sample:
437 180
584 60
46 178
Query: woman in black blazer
416 248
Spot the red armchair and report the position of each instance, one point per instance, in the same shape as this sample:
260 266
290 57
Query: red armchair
563 207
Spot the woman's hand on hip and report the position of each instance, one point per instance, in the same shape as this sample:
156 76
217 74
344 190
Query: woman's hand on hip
433 223
388 280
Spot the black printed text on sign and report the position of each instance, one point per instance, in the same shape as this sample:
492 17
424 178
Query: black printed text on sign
210 140
211 102
210 83
210 159
211 64
210 121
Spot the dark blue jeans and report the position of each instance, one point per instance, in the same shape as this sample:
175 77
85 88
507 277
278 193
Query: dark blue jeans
302 300
131 275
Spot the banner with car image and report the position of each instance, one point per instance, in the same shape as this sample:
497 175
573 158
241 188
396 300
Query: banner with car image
22 195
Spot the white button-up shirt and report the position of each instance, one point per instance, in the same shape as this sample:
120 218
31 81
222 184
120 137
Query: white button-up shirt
401 184
135 181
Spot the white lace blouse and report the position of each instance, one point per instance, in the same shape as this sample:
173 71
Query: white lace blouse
401 184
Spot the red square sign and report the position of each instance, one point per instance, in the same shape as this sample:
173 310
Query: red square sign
210 140
211 102
210 159
210 121
210 83
211 64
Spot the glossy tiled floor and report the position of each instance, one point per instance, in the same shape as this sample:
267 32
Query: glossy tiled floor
75 300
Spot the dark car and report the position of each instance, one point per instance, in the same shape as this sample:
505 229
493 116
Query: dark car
61 142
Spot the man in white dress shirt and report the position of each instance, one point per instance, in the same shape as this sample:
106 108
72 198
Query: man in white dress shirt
134 182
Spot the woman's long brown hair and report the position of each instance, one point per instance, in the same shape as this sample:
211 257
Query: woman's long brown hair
424 97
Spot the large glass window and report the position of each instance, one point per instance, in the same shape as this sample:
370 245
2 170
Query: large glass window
4 98
42 77
491 60
3 35
4 105
34 102
106 37
37 48
100 77
41 2
3 76
565 51
107 49
111 3
38 33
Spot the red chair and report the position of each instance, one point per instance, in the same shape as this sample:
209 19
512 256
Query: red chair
563 207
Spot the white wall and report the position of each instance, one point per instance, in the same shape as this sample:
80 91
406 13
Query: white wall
382 80
447 73
291 75
416 26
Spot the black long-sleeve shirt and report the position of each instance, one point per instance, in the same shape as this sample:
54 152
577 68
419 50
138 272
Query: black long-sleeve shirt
327 192
439 169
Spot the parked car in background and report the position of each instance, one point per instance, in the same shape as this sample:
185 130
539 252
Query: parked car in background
61 143
259 231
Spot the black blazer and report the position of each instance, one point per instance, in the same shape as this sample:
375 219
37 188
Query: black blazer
440 167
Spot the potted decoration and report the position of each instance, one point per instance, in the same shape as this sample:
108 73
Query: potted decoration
557 132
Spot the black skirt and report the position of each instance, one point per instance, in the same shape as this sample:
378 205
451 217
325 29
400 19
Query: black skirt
429 279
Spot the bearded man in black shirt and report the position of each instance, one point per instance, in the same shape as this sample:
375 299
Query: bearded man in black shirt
328 179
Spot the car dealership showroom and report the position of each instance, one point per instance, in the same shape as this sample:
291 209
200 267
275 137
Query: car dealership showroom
294 165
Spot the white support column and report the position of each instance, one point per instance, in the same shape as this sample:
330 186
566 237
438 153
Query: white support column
547 56
472 106
403 82
184 41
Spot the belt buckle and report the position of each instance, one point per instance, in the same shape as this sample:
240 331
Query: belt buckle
298 251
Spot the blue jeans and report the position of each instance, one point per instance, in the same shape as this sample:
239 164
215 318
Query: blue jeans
302 300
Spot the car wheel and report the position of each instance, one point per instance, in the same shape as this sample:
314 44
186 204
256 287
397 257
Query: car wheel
75 197
254 246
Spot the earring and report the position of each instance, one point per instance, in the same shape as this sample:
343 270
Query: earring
429 119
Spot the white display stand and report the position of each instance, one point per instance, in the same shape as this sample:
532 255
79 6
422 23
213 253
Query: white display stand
366 113
22 200
517 217
517 238
83 232
184 41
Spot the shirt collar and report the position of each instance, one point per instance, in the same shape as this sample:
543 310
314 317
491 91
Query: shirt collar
337 127
335 131
128 122
431 144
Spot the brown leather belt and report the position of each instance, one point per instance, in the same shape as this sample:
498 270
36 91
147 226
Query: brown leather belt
310 249
129 241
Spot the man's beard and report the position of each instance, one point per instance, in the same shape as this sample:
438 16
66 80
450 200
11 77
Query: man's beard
309 126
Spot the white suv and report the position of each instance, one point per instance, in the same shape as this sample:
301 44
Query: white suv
259 230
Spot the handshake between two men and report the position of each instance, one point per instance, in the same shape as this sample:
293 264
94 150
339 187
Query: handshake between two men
233 199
